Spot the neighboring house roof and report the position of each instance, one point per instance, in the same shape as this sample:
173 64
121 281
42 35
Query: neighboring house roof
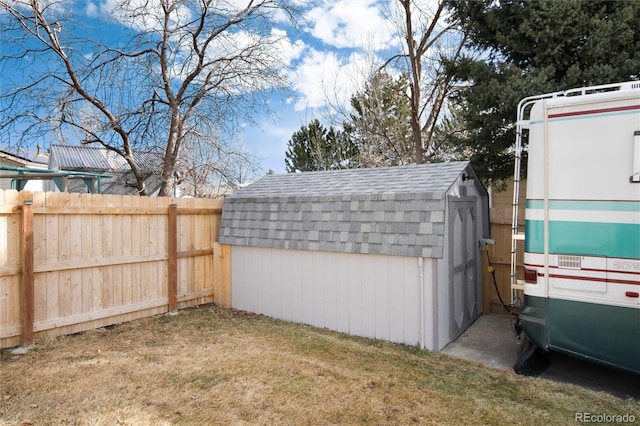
390 210
12 157
101 160
26 158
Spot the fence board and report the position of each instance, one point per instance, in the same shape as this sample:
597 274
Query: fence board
97 231
26 289
221 274
5 269
500 256
127 244
102 260
40 257
10 268
136 251
64 255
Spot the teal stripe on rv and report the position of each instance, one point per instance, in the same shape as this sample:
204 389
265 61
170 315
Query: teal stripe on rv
584 238
615 206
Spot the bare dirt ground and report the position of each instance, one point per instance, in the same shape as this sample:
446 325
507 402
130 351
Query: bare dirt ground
211 365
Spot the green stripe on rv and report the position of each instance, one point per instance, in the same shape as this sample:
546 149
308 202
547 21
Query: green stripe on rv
584 238
615 206
604 333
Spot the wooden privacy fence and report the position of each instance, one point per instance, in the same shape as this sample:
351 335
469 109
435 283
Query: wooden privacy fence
500 256
74 262
500 253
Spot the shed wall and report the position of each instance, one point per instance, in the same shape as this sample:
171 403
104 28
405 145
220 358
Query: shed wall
372 296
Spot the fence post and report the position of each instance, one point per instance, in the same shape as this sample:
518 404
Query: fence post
27 313
173 258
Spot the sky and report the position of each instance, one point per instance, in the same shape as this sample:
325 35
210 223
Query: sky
333 50
327 55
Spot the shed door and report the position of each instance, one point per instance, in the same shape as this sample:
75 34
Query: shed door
464 293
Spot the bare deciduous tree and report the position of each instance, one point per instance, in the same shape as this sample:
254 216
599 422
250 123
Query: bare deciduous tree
170 70
207 170
429 40
408 74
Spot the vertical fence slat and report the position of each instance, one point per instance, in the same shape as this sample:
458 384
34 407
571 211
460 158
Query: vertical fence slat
27 295
222 275
52 284
40 257
63 278
173 257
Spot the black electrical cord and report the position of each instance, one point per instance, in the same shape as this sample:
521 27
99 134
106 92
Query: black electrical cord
495 284
515 324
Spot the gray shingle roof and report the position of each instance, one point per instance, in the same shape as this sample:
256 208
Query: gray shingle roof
436 177
391 210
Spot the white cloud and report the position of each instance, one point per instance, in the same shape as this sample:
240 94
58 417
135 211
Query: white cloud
288 50
142 15
92 9
310 77
350 24
48 7
323 78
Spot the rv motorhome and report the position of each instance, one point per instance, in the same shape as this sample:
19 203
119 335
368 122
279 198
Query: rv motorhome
582 224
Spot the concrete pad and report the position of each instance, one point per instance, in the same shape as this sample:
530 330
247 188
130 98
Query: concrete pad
489 341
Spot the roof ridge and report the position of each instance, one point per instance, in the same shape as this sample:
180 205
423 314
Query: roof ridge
431 177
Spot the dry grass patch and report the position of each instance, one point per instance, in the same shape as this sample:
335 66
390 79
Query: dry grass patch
217 366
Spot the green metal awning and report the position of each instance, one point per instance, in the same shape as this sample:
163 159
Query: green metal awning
61 178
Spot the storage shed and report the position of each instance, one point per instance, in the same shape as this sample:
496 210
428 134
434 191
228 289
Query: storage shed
389 253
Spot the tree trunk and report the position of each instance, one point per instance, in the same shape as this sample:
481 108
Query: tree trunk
141 185
168 174
171 156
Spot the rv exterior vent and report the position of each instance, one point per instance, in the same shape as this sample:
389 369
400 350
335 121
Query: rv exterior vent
635 85
569 262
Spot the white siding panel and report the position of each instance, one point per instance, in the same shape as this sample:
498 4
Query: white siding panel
330 289
272 294
366 295
318 292
432 306
279 296
261 261
354 284
411 301
307 287
286 290
443 303
382 285
396 292
241 281
342 293
296 287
